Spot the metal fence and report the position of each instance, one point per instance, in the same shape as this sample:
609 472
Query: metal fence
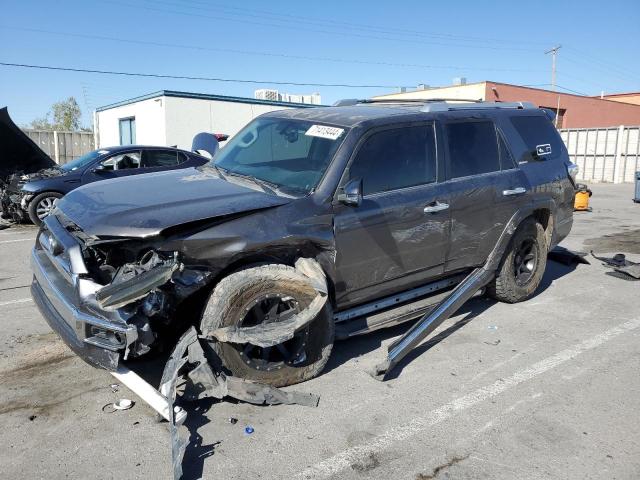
604 154
62 146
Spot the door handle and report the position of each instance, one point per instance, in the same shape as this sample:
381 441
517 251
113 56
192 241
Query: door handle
514 191
436 207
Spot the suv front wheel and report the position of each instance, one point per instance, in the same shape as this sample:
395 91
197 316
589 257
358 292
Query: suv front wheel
265 294
522 266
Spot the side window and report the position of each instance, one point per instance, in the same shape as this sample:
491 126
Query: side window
506 158
159 158
122 162
539 136
473 148
396 158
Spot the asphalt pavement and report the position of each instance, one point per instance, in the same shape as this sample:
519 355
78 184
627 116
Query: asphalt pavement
548 388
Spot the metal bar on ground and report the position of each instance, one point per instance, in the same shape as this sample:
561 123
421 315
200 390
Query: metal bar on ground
144 390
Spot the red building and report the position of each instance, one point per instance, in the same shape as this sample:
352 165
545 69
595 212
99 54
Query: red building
574 111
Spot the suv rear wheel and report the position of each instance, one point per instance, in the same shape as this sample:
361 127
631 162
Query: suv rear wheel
522 266
269 293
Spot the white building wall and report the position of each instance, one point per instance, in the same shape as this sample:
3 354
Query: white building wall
185 117
150 123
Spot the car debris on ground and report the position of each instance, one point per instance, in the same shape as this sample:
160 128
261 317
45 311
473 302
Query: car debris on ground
622 267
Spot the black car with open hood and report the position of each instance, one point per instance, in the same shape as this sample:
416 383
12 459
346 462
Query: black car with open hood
31 183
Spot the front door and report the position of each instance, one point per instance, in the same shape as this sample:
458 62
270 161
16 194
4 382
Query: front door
118 165
396 238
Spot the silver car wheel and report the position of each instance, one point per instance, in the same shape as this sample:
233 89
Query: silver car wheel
45 206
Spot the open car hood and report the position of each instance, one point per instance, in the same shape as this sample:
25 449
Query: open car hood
145 205
18 153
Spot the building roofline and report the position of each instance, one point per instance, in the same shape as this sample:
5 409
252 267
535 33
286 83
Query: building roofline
431 88
624 94
559 93
204 96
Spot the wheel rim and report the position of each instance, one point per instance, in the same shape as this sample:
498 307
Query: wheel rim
525 262
45 206
272 308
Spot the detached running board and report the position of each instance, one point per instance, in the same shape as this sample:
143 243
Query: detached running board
432 320
466 289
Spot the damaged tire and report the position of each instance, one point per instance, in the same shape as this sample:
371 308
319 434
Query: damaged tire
267 294
522 266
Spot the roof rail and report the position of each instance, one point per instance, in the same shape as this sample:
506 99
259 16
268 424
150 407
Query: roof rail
437 104
446 106
345 102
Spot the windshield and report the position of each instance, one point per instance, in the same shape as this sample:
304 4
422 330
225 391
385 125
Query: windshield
289 154
83 161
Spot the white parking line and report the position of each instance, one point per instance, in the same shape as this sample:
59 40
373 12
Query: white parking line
18 240
11 302
342 461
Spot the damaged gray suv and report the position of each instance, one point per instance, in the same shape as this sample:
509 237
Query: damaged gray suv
309 225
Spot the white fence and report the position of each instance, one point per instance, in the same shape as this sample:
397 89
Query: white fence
62 146
604 154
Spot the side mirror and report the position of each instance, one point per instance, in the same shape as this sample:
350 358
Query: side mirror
351 193
99 168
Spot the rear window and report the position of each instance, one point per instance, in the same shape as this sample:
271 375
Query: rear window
473 148
539 136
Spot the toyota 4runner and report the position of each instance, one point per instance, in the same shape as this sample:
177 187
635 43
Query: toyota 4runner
309 225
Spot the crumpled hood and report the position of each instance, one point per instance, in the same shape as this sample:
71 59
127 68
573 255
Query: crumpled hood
18 153
144 205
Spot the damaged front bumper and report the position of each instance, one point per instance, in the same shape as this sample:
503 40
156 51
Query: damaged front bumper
70 302
99 340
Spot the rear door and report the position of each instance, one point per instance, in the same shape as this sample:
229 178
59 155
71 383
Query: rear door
485 188
390 243
158 160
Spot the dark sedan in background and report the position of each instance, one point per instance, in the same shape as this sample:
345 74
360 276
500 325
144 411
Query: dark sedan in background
31 182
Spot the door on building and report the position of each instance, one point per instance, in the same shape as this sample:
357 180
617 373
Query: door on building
128 131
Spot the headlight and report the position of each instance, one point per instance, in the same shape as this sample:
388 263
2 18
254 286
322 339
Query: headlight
572 170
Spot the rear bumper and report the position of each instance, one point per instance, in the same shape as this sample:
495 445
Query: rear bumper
98 337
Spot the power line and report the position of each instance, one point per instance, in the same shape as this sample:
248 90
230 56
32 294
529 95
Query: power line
186 77
306 29
283 17
267 54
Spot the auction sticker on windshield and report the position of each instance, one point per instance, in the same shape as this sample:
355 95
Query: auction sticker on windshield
323 131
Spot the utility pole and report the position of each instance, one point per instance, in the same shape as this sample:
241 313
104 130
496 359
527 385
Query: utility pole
553 52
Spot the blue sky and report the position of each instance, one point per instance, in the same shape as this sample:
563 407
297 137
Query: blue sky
348 42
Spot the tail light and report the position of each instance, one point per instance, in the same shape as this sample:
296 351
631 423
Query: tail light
221 137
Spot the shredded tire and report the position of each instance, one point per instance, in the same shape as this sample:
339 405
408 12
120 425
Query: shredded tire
228 304
504 287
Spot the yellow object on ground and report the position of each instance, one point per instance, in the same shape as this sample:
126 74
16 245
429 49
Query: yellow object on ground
581 202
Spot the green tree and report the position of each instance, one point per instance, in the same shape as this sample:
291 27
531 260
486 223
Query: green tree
66 115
